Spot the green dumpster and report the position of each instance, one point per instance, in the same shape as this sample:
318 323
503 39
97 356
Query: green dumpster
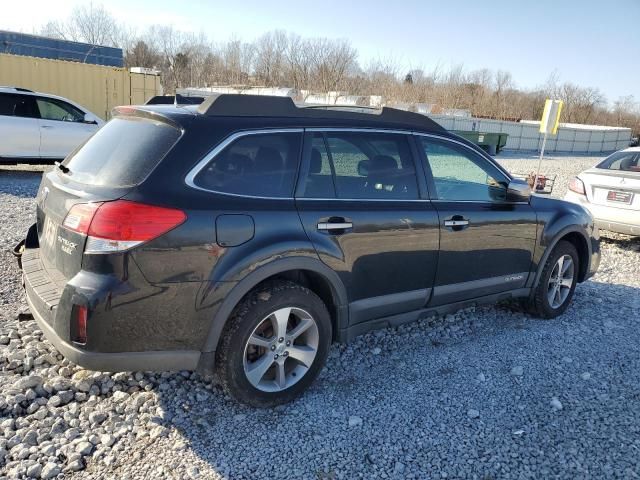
492 143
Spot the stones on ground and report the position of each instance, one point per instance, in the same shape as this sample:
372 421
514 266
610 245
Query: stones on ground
355 421
50 470
376 351
31 381
556 404
84 448
239 417
34 470
518 432
97 417
398 468
517 371
585 376
473 413
481 377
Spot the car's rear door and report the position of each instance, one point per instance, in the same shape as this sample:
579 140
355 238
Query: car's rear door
62 127
486 242
361 205
19 129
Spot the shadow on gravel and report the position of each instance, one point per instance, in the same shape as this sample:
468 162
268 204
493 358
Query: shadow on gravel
19 183
622 241
439 397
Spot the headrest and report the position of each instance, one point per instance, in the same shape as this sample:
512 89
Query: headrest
268 159
382 164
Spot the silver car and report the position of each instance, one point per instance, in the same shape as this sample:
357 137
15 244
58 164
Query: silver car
38 126
611 192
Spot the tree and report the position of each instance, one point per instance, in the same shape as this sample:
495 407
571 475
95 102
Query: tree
142 55
87 23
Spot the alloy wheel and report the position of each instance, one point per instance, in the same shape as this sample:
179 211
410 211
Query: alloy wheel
560 281
281 349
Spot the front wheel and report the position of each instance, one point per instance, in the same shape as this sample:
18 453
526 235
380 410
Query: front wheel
557 284
274 345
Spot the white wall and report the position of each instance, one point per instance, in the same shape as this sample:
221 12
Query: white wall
525 136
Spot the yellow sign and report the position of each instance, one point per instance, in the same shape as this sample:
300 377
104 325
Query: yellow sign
551 116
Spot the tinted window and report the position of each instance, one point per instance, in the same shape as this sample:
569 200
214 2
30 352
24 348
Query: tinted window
623 161
17 105
262 165
52 109
123 152
460 174
363 165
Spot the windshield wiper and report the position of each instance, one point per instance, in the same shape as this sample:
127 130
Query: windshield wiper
62 167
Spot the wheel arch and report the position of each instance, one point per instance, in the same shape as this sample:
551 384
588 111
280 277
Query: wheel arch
574 235
309 272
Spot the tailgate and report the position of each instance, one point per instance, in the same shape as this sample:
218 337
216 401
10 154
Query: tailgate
60 248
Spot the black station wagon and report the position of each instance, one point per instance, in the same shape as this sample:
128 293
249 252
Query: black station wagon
245 234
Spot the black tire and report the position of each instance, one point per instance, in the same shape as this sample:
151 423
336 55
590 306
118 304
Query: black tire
251 312
539 304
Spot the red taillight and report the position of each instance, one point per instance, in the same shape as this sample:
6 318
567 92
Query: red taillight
80 335
121 224
576 185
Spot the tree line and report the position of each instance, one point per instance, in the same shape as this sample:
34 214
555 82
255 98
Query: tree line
320 65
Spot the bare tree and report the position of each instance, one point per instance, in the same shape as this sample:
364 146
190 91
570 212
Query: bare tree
87 23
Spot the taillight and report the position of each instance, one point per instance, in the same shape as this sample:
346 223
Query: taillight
80 334
119 225
576 185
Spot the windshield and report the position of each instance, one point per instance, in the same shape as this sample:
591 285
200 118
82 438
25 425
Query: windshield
622 161
122 153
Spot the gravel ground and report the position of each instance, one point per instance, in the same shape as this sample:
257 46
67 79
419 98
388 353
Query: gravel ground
486 393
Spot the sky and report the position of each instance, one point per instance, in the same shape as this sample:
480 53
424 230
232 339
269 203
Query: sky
592 43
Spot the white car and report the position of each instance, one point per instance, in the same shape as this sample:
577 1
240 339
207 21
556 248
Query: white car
611 192
37 126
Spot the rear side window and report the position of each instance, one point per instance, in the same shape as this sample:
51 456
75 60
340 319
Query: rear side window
122 153
367 165
17 105
258 165
623 161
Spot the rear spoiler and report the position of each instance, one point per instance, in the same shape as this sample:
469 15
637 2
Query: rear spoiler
140 111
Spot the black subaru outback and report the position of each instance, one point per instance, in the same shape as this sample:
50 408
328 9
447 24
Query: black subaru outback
246 234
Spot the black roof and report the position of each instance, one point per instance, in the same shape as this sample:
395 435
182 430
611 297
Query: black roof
237 105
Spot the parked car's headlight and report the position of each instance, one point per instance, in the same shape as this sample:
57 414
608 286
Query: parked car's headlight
576 185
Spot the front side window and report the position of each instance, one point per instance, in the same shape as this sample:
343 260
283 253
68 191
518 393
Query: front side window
259 165
17 105
623 161
461 175
361 165
52 109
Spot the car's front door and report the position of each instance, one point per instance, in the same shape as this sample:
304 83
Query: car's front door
19 130
362 207
62 127
486 242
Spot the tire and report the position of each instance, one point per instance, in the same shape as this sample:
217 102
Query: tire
541 303
273 368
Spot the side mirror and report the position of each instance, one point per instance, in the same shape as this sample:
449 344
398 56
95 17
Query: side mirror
518 191
89 119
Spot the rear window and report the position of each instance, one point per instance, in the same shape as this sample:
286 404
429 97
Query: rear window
622 161
122 153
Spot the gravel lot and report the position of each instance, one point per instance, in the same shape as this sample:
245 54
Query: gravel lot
486 393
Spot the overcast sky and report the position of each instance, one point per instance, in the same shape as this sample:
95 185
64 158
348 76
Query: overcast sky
589 42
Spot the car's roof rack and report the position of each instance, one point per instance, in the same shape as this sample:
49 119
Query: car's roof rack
171 100
18 89
238 105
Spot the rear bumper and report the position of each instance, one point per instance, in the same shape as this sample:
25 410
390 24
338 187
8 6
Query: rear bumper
607 217
116 362
52 303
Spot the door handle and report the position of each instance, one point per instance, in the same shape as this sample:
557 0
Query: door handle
46 126
328 226
456 223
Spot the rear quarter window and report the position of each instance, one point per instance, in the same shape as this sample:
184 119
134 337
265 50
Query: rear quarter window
622 161
123 152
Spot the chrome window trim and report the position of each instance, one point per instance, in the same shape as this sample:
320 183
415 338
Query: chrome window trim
190 178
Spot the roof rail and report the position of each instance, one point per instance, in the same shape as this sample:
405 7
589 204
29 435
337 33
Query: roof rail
239 105
171 100
18 89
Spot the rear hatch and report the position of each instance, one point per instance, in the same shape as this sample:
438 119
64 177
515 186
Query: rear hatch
112 162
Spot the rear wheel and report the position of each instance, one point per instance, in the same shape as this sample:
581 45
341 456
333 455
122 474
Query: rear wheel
274 345
557 284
